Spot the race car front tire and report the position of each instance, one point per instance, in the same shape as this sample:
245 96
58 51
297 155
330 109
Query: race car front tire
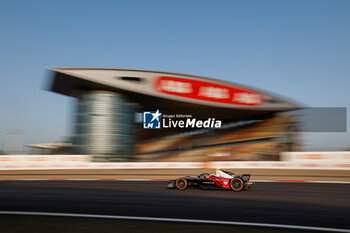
236 184
181 183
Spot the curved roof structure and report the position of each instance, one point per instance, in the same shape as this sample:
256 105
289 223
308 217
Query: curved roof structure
172 92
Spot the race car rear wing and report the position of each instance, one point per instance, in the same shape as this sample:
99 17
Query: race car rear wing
246 177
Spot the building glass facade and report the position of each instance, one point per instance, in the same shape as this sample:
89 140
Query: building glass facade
105 126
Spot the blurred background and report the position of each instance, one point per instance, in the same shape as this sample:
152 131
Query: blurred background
81 81
295 49
77 78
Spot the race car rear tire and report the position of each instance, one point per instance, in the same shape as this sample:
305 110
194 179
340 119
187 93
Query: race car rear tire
181 183
236 184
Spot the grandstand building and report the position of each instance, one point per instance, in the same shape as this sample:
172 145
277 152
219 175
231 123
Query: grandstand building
254 125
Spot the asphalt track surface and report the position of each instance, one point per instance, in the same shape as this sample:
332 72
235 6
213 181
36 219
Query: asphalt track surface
305 204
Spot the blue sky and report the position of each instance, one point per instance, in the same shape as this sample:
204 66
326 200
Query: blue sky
299 49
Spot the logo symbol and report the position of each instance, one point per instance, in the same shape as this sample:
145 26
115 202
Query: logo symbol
151 120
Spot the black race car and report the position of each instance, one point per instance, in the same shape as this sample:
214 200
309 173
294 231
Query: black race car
221 180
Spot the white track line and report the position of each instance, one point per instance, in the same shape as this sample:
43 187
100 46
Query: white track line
250 224
83 179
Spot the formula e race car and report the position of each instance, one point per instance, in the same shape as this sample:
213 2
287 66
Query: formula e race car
221 180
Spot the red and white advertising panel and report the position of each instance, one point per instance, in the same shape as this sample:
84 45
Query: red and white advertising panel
290 160
312 156
207 91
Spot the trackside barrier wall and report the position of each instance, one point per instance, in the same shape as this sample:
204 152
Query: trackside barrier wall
291 160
